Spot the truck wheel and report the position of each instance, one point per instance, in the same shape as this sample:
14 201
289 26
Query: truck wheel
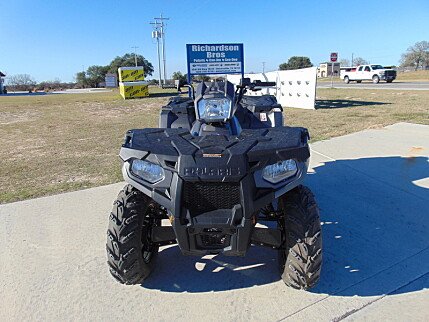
389 81
375 79
346 80
300 257
359 81
131 254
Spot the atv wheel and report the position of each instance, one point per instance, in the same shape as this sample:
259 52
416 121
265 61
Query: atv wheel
300 257
130 253
375 79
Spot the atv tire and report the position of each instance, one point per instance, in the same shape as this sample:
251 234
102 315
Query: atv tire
130 254
300 257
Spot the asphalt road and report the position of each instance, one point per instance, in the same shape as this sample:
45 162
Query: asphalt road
67 91
412 86
372 188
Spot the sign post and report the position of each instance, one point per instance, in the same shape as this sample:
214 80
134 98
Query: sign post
206 59
334 58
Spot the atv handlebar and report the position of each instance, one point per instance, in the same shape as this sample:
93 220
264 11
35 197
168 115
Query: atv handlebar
246 83
264 84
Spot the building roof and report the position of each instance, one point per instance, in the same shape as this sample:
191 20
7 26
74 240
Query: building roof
2 75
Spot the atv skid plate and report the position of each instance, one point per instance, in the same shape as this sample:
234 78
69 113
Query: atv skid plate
213 188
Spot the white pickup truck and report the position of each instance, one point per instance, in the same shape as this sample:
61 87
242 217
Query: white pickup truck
368 72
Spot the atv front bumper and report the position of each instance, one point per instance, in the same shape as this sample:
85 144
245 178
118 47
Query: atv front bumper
213 188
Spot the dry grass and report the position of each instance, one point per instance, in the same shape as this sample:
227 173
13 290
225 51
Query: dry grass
344 111
56 143
419 75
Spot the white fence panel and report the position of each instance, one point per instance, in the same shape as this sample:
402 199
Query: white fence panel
295 88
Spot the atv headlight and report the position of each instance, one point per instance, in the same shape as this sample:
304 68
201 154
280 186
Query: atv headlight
147 170
279 171
214 109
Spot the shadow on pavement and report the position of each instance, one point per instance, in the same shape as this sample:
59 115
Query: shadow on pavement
373 217
332 104
178 273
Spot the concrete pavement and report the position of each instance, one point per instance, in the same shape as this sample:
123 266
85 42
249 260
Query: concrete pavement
373 191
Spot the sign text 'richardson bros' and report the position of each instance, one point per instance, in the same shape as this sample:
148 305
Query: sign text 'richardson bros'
215 59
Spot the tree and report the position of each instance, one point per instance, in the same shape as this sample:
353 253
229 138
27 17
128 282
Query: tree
127 60
344 62
153 82
416 55
201 78
95 74
81 80
21 82
359 61
296 62
179 76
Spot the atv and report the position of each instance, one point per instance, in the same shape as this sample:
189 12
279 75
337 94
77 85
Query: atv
220 163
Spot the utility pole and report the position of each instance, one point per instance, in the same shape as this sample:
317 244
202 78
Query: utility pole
156 34
160 22
135 54
352 61
263 67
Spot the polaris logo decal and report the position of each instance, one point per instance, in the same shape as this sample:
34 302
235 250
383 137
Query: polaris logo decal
216 172
212 155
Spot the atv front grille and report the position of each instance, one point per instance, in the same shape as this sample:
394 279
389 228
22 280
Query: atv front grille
390 73
200 197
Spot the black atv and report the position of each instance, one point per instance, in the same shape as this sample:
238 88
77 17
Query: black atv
219 164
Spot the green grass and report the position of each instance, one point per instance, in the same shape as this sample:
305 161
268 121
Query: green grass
57 143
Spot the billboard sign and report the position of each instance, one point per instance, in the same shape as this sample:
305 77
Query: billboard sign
206 59
111 80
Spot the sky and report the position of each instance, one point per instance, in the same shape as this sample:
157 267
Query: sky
55 39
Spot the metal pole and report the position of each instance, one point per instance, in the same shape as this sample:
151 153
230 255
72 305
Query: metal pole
159 61
263 67
135 54
163 52
352 61
156 34
160 21
332 75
